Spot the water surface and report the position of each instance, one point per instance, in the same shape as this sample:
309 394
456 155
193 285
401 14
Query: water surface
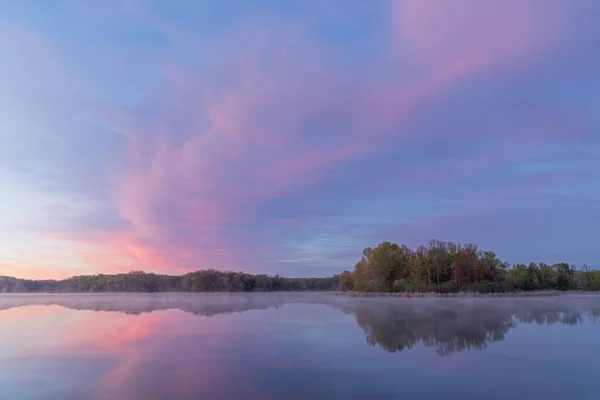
297 346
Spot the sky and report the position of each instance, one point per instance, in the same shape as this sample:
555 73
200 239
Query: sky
283 137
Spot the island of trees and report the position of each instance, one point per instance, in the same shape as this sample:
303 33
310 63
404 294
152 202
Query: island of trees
440 267
446 267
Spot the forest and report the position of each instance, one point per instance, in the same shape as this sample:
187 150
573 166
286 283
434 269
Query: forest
209 280
440 267
446 267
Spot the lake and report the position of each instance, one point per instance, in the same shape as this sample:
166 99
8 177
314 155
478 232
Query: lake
297 346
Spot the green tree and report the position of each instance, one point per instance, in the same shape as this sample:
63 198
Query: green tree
389 262
363 272
564 276
547 276
592 278
346 281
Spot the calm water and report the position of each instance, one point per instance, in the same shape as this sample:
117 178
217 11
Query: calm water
297 346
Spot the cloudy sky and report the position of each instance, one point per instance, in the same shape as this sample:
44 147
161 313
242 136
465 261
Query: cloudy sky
284 136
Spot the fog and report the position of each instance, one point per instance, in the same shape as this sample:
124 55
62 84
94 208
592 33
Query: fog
394 324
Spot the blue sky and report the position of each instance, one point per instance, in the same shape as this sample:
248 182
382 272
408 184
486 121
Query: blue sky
285 136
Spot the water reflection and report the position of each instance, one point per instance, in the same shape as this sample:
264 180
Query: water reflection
208 304
293 346
395 325
451 325
447 329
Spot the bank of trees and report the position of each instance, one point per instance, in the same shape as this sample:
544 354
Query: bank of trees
442 267
448 267
200 281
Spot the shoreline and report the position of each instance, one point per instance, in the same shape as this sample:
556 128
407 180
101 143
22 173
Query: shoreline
533 293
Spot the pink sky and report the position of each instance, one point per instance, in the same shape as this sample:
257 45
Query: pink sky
286 136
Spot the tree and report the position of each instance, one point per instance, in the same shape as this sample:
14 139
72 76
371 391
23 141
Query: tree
346 281
564 275
389 262
592 278
363 273
490 266
532 277
466 262
448 267
439 261
547 276
441 266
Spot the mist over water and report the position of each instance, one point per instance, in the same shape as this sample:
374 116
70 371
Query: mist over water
297 346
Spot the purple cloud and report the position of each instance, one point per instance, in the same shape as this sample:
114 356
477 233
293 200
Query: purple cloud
276 142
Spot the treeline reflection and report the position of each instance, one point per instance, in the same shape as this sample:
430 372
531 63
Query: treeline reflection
454 326
395 325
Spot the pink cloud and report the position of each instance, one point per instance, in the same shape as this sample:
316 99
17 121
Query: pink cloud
475 35
242 139
436 44
242 143
247 127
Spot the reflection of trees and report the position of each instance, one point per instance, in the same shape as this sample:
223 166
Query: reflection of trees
203 304
595 314
396 328
550 317
448 325
456 325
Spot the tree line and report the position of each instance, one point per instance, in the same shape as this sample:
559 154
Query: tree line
441 267
446 267
200 281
